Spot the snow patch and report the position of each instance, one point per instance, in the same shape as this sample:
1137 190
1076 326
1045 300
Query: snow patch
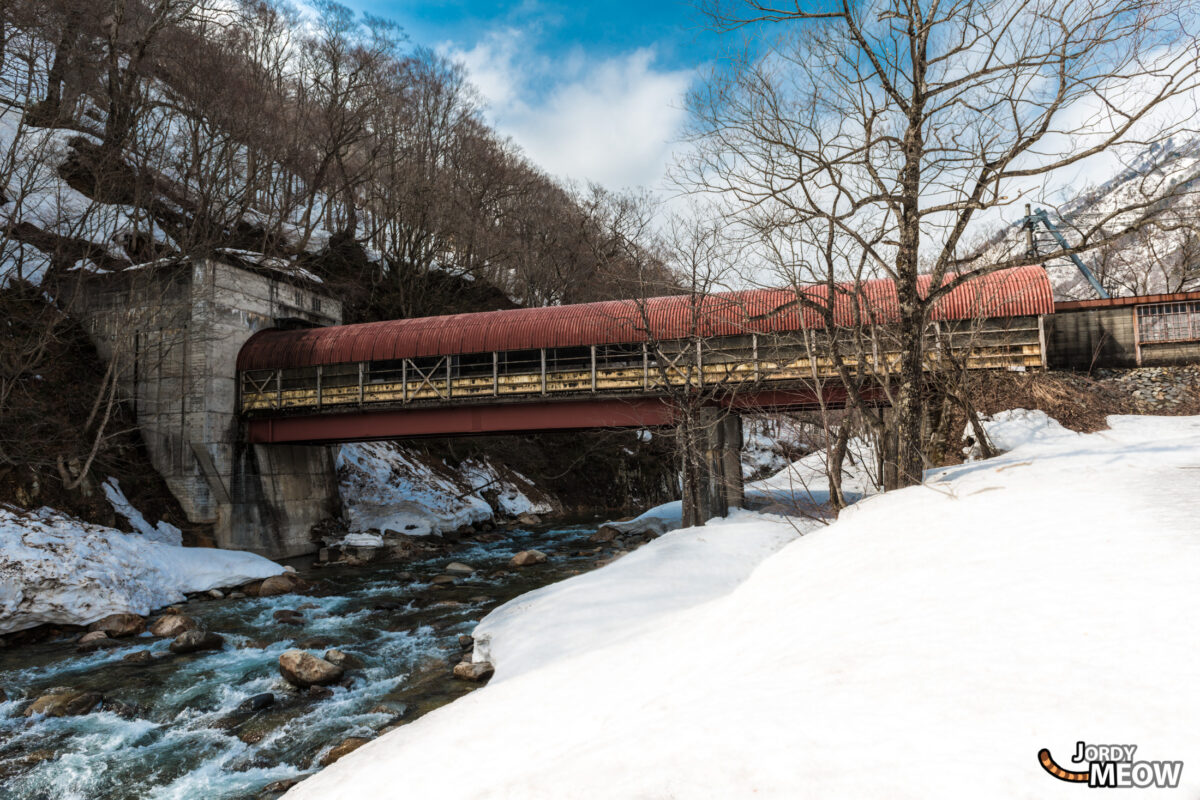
1008 430
164 532
58 569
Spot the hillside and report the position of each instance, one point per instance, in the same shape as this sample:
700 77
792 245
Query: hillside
314 144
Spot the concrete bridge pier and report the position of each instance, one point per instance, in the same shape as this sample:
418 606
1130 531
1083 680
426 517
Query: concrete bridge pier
719 486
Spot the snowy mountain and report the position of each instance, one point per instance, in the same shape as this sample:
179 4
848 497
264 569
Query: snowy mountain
1159 253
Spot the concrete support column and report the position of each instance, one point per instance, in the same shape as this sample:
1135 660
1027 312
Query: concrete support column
719 486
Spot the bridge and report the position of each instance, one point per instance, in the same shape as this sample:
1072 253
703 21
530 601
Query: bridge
616 364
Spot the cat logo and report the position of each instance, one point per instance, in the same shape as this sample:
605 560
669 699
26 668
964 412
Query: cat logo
1111 766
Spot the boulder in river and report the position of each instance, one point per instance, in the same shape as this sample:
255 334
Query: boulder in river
64 702
139 657
288 616
529 518
277 789
526 558
347 746
195 641
605 534
343 660
117 625
168 626
258 702
279 584
304 669
443 580
474 671
459 568
216 594
3 696
96 640
314 643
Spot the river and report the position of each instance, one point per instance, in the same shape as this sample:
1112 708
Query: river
174 729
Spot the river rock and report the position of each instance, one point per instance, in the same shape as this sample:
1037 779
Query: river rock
216 594
320 692
88 638
526 558
195 641
529 518
347 746
466 640
140 658
258 702
605 534
343 660
279 584
3 696
97 643
64 702
304 669
117 625
474 671
287 616
169 626
315 643
443 580
274 790
459 568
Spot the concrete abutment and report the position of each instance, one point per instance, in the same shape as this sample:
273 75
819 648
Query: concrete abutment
174 331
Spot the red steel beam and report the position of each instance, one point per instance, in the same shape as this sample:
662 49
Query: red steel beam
461 420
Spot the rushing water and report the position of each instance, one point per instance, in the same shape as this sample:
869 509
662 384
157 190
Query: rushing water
174 729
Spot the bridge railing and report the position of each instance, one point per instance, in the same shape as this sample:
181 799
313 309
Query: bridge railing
721 364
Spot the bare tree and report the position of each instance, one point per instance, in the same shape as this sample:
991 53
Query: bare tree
899 129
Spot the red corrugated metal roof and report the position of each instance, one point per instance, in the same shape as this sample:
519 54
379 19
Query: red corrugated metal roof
1009 293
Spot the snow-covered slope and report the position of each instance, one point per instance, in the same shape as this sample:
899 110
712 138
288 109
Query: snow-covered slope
1161 258
386 486
57 569
596 609
928 644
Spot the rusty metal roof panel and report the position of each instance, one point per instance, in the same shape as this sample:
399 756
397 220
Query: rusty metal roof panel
1016 292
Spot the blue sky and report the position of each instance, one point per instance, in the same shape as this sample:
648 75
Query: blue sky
591 91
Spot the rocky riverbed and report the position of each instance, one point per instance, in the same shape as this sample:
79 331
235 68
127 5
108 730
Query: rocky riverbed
238 697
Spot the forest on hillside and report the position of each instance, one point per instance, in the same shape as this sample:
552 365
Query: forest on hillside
317 142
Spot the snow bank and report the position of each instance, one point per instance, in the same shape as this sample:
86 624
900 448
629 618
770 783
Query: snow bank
658 520
1008 430
927 644
806 481
768 444
510 500
384 488
673 572
57 569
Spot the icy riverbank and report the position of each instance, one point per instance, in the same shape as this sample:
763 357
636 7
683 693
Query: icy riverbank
928 644
57 569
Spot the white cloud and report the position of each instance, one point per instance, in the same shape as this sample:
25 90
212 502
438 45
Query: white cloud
611 120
